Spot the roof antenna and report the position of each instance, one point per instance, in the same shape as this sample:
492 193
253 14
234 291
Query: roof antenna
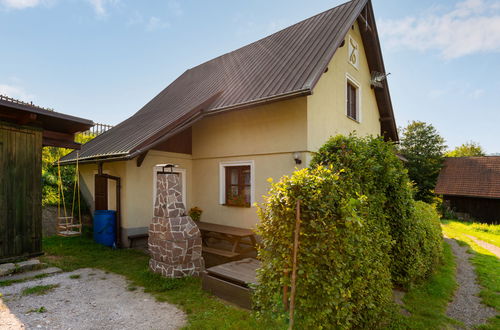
377 78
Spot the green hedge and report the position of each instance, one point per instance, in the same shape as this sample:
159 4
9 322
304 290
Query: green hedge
420 250
344 279
376 171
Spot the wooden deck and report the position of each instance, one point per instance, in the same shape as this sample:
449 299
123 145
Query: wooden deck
230 281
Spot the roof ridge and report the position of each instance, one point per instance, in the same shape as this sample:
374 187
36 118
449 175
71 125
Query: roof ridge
272 34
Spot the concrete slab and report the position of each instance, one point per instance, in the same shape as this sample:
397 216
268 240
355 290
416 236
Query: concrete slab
32 274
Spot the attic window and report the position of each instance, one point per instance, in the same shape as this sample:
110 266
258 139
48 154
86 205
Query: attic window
352 101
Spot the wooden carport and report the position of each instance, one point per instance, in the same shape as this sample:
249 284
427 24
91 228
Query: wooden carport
24 130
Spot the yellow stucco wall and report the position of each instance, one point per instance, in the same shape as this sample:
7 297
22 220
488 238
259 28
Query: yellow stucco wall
268 135
326 107
271 128
137 184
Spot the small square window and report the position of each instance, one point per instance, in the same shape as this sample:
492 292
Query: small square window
352 101
238 188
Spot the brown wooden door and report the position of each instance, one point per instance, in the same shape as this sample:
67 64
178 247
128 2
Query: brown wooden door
20 191
101 192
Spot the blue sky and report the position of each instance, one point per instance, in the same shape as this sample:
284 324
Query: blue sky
104 59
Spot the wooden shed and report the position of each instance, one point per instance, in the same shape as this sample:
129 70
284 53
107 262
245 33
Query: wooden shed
471 185
24 129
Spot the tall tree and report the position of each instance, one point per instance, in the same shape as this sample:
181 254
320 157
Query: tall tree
423 147
468 149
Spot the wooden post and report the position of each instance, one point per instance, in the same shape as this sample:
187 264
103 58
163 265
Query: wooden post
294 265
285 292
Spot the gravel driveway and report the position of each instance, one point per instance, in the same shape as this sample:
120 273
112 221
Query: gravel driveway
95 300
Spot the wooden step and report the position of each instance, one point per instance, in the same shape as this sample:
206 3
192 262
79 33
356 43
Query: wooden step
223 253
69 226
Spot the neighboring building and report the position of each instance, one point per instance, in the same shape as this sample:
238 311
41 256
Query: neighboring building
471 185
231 123
24 129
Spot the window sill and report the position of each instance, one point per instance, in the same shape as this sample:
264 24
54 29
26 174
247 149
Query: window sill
240 206
355 120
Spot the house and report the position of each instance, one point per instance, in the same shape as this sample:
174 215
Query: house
24 129
471 185
231 123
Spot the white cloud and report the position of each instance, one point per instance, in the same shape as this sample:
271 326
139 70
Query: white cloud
477 93
472 26
175 8
23 4
16 92
154 24
100 6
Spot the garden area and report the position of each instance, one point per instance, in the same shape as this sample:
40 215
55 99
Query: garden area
344 244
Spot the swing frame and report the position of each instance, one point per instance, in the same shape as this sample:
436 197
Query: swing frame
66 226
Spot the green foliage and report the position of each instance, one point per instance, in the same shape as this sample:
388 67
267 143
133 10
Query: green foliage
375 171
343 264
468 149
422 145
419 250
50 156
427 302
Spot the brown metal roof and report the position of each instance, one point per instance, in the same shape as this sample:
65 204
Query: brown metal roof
470 176
285 64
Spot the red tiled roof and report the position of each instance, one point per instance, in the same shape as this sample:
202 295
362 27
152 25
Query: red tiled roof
470 176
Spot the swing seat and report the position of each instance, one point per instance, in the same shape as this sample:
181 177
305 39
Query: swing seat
66 227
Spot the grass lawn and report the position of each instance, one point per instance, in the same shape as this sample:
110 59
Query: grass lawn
426 302
484 232
486 264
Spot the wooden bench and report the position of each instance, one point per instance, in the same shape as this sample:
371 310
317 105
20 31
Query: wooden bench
223 253
132 238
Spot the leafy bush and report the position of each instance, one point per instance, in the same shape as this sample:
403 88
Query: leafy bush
343 278
420 250
374 169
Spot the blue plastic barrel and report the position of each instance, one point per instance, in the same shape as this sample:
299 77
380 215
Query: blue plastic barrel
105 227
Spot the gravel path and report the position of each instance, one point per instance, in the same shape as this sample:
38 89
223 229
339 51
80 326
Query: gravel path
95 300
466 305
490 247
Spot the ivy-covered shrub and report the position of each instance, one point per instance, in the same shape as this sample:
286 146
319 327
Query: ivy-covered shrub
344 278
421 248
375 170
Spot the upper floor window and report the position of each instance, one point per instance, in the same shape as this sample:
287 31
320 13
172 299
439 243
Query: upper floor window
352 101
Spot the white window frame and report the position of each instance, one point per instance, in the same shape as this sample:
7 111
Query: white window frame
351 80
157 168
222 179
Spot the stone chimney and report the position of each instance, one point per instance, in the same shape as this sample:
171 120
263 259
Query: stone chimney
174 239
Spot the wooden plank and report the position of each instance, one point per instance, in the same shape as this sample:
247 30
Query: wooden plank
223 253
233 293
20 191
101 192
241 271
227 230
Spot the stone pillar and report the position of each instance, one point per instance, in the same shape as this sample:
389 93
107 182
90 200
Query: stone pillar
174 239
